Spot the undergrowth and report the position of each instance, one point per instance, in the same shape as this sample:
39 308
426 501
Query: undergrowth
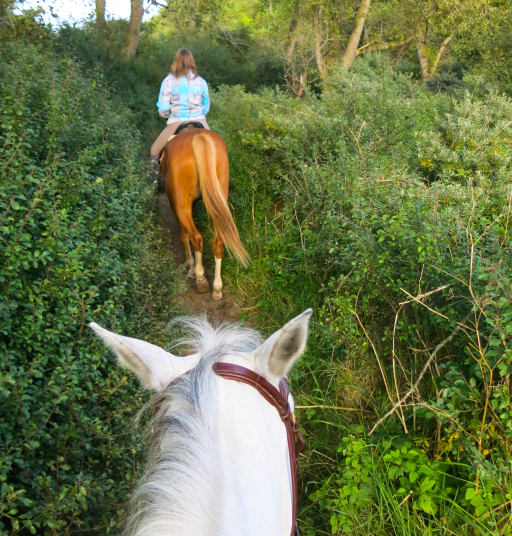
387 209
384 206
76 245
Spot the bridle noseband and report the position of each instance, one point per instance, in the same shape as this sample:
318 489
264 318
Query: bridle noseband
278 399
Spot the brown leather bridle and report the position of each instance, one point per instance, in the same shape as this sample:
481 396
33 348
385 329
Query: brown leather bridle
278 399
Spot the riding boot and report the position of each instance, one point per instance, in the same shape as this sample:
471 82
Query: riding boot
155 162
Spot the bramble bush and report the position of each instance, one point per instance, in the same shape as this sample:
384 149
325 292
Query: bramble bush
76 246
372 204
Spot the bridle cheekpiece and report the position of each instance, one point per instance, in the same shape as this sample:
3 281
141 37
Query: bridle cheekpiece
279 399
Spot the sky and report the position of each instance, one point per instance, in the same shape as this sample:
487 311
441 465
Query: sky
77 10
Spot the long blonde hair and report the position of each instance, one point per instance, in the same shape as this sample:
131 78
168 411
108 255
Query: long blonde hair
183 64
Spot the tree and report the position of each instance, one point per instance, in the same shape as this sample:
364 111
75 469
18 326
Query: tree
292 31
436 23
100 17
355 36
132 38
317 36
421 47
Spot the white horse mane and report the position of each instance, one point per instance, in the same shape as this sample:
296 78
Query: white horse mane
218 459
174 496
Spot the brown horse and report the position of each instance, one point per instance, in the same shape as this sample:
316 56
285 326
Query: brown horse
195 163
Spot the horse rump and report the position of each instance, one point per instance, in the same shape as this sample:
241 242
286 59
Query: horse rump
215 200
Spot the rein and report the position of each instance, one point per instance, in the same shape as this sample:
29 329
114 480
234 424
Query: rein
278 399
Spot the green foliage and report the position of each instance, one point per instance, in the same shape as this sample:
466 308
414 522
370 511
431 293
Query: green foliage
236 59
76 246
472 143
382 203
344 212
445 83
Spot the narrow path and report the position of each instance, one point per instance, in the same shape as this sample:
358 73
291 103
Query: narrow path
195 304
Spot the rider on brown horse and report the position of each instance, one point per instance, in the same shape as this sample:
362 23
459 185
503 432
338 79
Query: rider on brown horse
183 97
194 164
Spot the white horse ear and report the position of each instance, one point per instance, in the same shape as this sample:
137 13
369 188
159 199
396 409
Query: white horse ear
154 367
280 351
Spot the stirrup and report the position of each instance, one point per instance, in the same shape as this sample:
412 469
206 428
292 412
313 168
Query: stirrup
160 184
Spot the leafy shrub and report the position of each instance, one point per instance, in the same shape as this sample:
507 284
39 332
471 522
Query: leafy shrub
471 143
76 246
445 83
342 213
232 59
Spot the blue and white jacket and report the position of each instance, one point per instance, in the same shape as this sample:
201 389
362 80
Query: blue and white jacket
183 99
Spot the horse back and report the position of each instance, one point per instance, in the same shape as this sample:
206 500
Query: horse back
179 164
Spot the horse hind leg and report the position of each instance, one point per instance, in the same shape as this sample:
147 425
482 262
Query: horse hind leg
218 251
197 242
191 272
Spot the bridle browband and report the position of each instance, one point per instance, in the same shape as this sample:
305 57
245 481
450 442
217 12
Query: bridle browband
279 399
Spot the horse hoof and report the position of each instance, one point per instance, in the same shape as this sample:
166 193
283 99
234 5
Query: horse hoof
217 295
191 273
202 286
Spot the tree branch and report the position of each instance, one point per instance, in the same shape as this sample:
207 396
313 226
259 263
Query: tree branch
355 36
440 53
132 37
372 47
100 17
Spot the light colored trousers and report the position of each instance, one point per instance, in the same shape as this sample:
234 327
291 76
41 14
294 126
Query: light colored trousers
168 131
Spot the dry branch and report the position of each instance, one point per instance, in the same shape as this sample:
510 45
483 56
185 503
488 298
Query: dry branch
440 53
320 406
421 296
422 373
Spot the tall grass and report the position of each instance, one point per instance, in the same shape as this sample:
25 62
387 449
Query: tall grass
356 203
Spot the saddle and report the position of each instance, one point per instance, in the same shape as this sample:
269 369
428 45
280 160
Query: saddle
181 128
188 124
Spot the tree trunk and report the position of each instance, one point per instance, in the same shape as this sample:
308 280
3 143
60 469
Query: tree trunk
355 36
440 53
341 13
192 21
100 16
292 31
317 29
132 38
422 55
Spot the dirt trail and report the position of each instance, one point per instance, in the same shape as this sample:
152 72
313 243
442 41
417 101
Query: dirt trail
195 304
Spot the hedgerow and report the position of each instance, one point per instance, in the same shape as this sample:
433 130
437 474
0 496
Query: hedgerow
76 245
387 208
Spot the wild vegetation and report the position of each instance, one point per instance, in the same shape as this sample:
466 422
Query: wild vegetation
371 162
360 203
77 245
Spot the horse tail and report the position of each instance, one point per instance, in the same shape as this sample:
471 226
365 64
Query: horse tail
213 196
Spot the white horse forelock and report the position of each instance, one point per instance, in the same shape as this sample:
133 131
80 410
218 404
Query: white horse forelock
175 493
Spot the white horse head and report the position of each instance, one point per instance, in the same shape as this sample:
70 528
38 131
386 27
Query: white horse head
218 462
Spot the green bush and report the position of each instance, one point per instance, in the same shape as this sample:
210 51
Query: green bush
76 245
231 59
472 143
344 212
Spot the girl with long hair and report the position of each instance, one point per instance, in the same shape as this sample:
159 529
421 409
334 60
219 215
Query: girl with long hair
183 97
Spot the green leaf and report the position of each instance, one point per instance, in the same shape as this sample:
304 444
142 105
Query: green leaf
410 465
470 493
